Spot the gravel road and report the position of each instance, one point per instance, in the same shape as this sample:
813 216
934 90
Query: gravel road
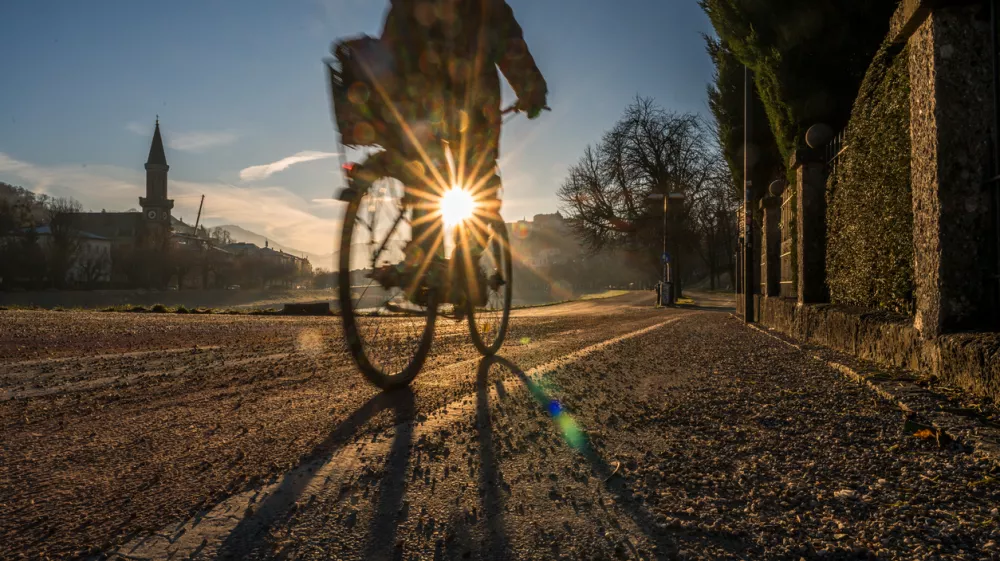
609 429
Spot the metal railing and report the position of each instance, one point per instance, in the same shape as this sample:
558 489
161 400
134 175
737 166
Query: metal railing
834 150
787 223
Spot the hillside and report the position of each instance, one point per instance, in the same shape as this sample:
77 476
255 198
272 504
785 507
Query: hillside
318 260
12 196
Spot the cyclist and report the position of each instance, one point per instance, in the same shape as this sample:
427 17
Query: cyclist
445 56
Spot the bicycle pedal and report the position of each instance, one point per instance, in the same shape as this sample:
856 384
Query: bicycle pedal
496 281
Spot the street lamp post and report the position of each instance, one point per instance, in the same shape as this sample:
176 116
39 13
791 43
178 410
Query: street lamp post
667 282
747 196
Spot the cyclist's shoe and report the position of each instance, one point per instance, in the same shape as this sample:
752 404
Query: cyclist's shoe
494 282
405 307
459 311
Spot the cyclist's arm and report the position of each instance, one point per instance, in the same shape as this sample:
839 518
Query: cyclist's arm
392 26
513 57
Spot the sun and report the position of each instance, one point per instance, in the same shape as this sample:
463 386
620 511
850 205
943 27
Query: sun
457 205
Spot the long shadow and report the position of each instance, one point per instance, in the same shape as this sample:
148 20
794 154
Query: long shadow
381 542
489 478
667 547
728 309
255 527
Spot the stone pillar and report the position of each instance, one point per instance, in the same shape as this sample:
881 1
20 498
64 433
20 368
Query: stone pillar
810 194
739 275
951 112
771 264
758 249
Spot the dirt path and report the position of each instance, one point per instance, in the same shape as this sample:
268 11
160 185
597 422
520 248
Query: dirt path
608 429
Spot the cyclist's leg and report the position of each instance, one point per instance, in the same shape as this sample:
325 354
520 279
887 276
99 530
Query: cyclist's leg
423 170
484 182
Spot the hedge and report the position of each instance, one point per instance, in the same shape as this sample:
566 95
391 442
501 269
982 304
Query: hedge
869 206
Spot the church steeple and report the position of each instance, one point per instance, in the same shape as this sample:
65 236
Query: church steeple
156 154
155 205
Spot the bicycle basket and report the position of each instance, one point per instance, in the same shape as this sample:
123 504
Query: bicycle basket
361 78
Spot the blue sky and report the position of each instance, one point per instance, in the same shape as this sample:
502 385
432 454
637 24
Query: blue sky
240 84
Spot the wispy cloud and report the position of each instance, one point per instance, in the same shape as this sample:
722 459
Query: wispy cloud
190 141
275 212
263 171
138 128
199 140
331 203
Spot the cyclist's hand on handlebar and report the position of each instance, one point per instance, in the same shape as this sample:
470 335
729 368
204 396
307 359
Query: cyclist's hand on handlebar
533 105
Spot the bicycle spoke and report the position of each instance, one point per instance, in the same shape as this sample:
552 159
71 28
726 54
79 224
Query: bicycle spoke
390 324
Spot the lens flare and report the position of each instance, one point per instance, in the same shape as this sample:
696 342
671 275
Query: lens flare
310 342
457 205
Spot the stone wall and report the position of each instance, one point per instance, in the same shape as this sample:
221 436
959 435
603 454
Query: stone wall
936 309
951 118
969 361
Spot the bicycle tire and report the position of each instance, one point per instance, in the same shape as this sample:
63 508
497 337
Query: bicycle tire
478 330
353 334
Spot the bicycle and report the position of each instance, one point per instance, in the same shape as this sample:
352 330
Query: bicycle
390 292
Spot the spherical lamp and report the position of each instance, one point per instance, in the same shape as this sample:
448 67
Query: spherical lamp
776 188
819 135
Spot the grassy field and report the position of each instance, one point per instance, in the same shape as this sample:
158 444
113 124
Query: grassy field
202 301
190 299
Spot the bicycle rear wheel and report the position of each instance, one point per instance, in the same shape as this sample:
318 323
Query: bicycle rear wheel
388 318
490 290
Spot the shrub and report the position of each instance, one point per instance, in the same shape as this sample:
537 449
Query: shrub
869 205
158 309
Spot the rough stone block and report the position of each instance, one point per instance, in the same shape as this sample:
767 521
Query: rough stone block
951 113
810 195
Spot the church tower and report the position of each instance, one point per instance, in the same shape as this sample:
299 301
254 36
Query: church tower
155 205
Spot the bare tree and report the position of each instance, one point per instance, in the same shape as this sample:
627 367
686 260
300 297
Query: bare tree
93 269
221 236
65 237
714 218
649 151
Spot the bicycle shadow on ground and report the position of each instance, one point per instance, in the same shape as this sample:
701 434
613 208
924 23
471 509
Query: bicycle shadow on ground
254 529
616 484
489 476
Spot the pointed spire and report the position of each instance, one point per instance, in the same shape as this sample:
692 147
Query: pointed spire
156 155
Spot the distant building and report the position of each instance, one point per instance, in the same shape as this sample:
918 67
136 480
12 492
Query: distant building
152 248
148 229
91 262
546 240
271 262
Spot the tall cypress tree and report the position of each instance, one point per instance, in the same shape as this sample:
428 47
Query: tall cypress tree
726 101
808 58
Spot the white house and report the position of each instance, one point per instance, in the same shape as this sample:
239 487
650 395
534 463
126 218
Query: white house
92 260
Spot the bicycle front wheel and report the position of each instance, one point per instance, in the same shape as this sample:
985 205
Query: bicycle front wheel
388 318
490 291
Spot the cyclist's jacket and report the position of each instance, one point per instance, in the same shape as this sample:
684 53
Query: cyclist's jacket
446 53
